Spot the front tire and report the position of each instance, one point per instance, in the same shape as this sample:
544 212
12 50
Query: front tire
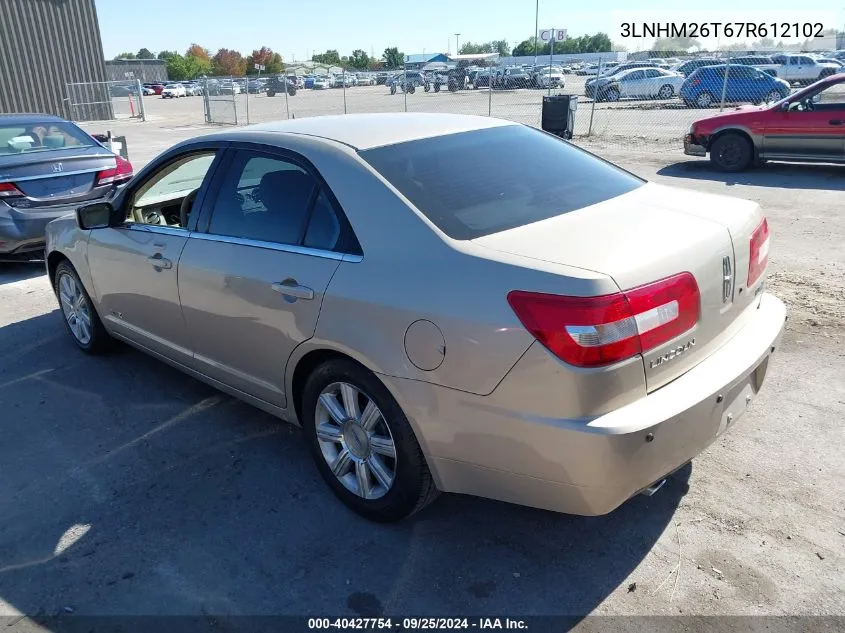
665 92
731 152
80 317
611 95
363 444
271 93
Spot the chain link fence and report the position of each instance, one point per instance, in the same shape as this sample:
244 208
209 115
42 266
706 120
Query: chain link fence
649 102
220 100
105 100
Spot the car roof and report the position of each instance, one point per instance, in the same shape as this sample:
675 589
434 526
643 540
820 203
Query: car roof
29 118
366 131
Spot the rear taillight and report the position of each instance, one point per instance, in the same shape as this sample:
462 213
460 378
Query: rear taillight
8 190
758 252
595 331
120 172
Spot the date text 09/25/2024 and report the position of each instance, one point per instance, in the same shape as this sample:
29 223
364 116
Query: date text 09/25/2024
416 624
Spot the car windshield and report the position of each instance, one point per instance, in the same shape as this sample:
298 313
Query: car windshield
469 185
41 136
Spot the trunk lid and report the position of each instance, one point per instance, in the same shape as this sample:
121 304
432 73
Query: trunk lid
56 177
649 234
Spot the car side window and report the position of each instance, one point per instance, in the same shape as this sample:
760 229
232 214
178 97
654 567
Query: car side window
652 73
832 97
264 198
635 75
159 198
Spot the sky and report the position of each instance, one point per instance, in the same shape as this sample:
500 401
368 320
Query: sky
298 28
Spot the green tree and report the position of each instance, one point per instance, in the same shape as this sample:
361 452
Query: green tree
126 56
500 46
527 48
165 55
675 44
179 67
228 62
330 58
145 53
471 48
359 59
264 56
393 58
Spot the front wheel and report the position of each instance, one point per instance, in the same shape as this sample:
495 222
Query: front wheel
436 87
611 95
731 152
773 96
81 319
393 90
363 444
412 89
291 92
427 87
271 93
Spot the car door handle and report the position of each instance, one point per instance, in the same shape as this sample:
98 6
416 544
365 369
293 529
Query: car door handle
291 288
159 261
836 121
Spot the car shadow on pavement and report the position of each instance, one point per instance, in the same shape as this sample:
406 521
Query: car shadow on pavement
11 272
780 175
129 488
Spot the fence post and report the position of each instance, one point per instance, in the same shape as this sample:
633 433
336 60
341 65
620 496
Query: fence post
490 91
595 96
287 104
206 101
344 90
725 84
405 80
234 99
141 99
247 98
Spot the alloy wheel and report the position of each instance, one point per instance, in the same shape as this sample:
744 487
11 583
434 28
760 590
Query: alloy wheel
355 440
704 100
75 308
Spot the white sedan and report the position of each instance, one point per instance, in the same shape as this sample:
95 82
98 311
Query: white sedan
550 78
646 83
171 91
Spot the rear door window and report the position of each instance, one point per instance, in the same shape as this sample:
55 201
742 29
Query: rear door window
476 183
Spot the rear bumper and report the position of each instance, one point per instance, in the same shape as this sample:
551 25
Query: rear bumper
23 231
692 147
474 445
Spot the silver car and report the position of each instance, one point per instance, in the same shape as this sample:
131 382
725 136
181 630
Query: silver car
550 331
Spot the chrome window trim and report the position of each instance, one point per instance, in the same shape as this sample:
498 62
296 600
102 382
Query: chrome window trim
276 246
155 228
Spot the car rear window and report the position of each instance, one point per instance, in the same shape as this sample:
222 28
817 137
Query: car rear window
476 183
41 136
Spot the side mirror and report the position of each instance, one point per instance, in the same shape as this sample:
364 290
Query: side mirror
99 215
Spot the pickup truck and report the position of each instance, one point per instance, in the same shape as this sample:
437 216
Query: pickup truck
801 69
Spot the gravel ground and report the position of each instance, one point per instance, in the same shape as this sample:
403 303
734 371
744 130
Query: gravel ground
129 488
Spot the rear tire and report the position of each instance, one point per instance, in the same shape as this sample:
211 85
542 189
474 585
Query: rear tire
79 314
731 153
271 93
611 94
411 486
665 92
704 99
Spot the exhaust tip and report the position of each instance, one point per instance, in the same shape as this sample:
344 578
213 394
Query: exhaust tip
653 488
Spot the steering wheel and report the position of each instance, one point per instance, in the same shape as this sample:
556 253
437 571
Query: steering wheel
185 208
153 217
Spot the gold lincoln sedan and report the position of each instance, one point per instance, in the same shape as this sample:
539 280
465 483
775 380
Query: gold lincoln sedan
443 303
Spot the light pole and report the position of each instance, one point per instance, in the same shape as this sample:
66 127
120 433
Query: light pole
457 48
536 28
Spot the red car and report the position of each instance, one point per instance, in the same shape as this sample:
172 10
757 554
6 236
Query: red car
156 88
806 126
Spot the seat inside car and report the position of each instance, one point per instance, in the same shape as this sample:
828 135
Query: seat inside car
285 195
